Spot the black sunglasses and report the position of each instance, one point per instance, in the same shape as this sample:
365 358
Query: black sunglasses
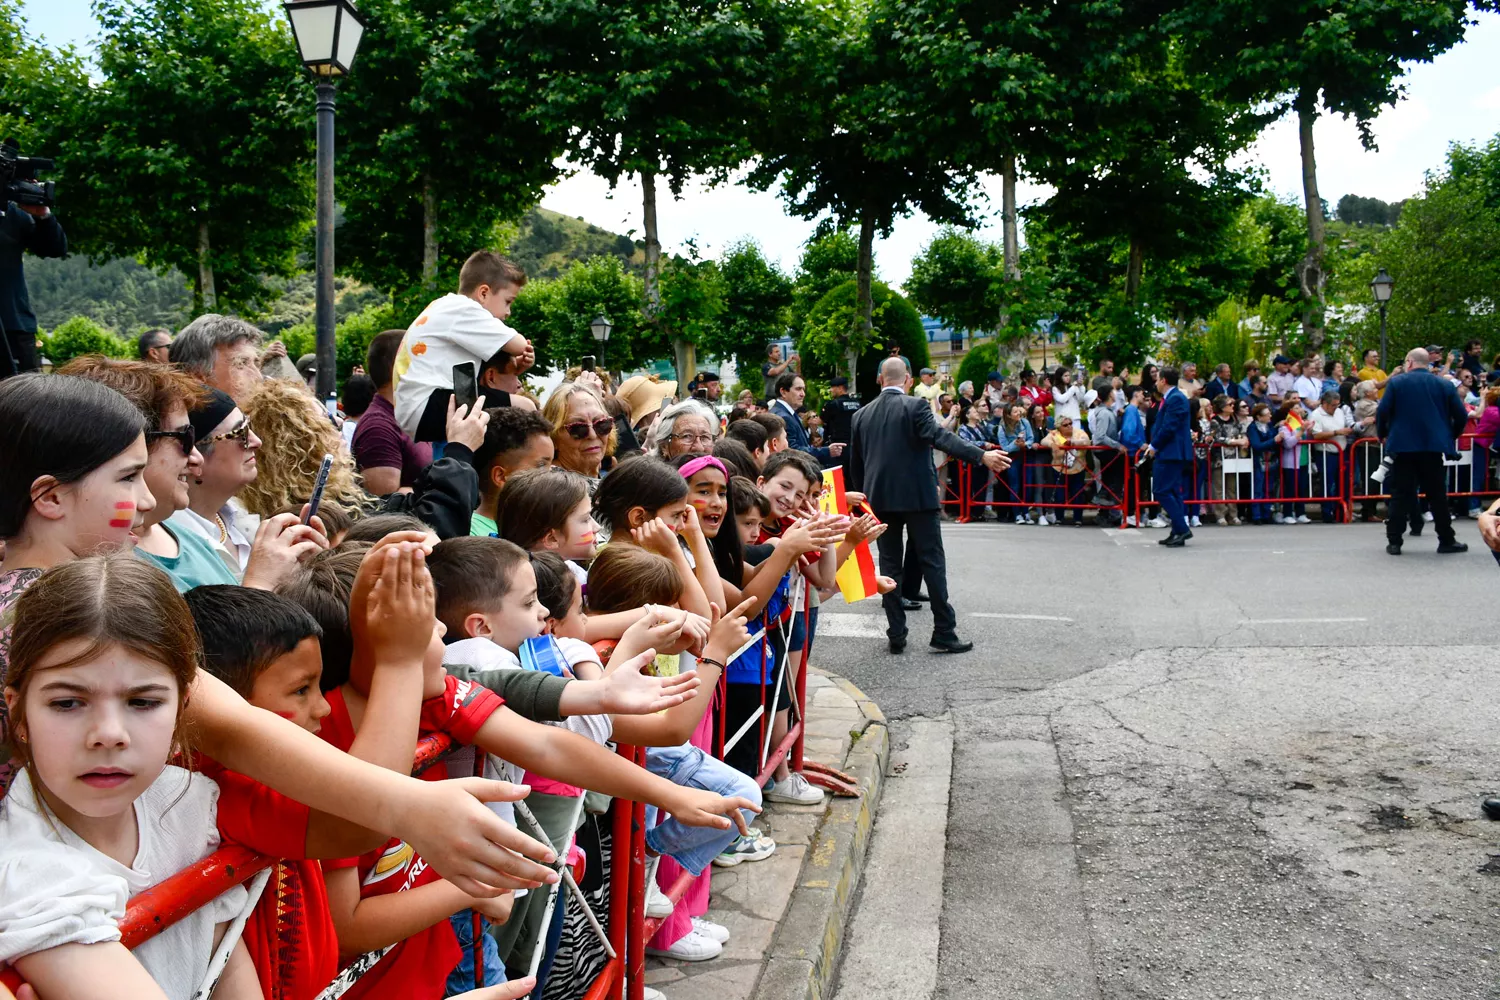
185 436
601 427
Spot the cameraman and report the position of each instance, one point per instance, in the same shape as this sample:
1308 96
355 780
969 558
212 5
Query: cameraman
22 228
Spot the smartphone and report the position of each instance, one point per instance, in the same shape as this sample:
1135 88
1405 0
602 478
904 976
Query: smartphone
465 386
317 494
588 362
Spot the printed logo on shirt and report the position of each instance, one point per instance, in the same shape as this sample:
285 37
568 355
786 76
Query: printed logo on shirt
463 693
394 861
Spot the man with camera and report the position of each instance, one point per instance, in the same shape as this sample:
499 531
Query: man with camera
28 224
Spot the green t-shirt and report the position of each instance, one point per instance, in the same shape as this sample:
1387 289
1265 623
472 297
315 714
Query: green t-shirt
481 525
197 563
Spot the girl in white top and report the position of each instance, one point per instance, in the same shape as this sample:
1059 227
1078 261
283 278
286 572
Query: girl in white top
1067 398
101 660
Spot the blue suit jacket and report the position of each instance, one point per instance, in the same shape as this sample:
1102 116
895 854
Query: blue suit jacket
1420 411
1172 434
796 435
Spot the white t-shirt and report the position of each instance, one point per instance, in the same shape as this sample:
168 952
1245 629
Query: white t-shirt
1320 420
56 889
450 331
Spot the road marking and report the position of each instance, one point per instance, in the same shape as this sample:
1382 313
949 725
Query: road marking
845 626
1024 618
1303 621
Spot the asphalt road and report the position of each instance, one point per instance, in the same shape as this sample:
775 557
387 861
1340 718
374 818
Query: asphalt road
1249 768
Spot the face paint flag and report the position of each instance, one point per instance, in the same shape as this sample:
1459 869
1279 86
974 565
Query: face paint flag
856 577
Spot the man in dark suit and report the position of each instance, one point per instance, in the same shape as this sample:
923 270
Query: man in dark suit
890 462
1420 417
1172 448
790 392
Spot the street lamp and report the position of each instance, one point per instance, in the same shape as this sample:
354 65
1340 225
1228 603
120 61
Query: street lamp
1381 286
601 327
328 34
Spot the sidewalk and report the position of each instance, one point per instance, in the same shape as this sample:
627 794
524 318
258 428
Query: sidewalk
786 914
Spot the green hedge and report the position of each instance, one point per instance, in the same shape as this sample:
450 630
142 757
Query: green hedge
79 336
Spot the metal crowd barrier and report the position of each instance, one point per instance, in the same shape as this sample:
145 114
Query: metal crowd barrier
1106 475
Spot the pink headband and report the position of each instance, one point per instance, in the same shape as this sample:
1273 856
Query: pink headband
697 465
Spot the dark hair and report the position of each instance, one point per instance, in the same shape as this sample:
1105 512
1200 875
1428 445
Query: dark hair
785 381
728 550
359 393
153 388
1057 376
535 501
485 267
773 424
750 432
509 429
244 631
740 411
322 588
471 573
1284 410
337 520
625 577
1328 367
1223 398
59 426
745 495
646 482
555 583
380 359
376 526
107 601
143 342
801 460
1169 375
735 456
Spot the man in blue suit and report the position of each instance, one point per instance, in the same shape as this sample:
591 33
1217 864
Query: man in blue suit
1420 417
790 392
1172 446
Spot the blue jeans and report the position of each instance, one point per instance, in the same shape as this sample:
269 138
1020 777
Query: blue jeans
693 847
795 642
1294 483
1260 513
461 979
1072 490
1329 465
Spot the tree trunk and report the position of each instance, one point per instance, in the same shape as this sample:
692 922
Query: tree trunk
206 298
429 235
653 245
685 358
1310 274
1008 216
1134 269
862 275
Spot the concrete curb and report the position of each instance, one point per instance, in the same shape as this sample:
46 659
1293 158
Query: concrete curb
804 954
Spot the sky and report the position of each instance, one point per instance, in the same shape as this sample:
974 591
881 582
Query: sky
1454 99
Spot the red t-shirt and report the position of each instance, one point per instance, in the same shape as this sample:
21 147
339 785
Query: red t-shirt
417 968
290 934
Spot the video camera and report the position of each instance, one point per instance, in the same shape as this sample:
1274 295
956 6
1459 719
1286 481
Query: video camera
18 181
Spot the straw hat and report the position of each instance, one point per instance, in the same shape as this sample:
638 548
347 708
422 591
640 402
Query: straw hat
644 395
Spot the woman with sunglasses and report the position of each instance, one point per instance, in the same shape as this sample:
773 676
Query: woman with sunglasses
164 396
685 428
583 433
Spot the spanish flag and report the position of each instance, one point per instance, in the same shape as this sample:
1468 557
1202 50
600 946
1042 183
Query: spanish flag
1293 421
856 577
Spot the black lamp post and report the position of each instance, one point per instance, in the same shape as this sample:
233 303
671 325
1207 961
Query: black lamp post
601 327
1381 286
328 34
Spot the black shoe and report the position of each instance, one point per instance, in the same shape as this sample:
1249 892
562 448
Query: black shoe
1393 548
898 645
1491 809
919 596
909 605
951 645
1175 541
1416 529
1447 547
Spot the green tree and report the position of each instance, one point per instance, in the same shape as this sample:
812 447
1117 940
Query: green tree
691 300
757 302
1314 57
828 260
434 146
836 321
194 148
556 315
40 87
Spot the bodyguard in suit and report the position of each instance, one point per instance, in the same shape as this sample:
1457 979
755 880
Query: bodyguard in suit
890 462
1172 446
1420 417
790 392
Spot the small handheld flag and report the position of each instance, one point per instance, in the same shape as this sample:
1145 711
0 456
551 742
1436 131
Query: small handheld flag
856 577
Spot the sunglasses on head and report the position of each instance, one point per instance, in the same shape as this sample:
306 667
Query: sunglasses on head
184 435
600 428
240 433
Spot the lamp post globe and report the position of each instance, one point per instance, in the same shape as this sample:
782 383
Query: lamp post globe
1381 286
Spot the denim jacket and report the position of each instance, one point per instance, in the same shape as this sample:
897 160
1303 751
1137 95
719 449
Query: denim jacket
1012 442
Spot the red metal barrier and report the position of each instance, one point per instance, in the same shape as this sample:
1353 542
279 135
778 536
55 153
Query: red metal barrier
1468 476
1284 478
1112 463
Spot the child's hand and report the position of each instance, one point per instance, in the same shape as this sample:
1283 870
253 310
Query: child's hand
655 536
281 542
658 628
865 529
467 427
526 360
448 824
627 691
699 808
694 626
729 632
693 529
513 990
855 499
399 612
496 910
884 584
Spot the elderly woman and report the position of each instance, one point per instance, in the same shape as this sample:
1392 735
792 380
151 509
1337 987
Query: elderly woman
689 426
1366 456
583 432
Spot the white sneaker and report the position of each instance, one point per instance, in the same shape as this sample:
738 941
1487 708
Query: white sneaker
1427 515
1030 519
1303 519
1157 522
751 848
1278 519
1042 519
795 790
1195 522
691 947
711 930
657 903
649 994
1020 519
1130 521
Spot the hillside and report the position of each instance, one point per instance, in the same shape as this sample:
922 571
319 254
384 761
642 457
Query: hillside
126 298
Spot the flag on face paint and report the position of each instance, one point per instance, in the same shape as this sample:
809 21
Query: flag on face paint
856 577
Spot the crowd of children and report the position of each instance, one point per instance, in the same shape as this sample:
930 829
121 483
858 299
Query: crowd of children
194 656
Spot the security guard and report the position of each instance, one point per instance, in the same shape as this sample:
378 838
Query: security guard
839 410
